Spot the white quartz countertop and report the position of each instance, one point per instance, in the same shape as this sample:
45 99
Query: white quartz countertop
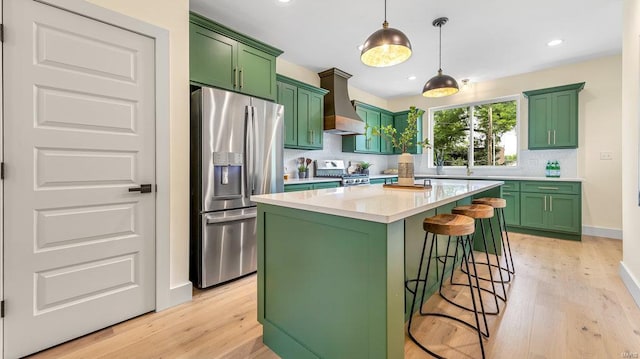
375 203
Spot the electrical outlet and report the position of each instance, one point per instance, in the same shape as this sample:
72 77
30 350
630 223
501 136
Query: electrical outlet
606 156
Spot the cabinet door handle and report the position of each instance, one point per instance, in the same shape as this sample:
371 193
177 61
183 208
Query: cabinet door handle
241 78
545 203
548 137
554 137
551 188
235 77
550 203
506 193
313 137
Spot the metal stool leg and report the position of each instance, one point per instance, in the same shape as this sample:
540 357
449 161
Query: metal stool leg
465 260
511 270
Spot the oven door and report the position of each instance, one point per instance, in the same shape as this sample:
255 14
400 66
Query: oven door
229 248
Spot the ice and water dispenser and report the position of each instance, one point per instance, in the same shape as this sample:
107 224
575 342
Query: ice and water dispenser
227 175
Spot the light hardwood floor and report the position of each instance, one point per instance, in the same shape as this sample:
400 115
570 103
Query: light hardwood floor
567 301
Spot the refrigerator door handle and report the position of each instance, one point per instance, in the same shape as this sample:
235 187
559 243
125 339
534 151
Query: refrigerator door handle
254 154
246 214
248 150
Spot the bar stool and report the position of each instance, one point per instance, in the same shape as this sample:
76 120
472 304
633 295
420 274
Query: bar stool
499 204
480 212
450 225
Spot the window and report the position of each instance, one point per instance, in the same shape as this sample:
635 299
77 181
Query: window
479 134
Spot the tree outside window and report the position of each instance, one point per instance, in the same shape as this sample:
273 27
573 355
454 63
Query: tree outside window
476 135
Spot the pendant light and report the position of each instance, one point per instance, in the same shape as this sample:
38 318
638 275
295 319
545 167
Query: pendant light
385 47
440 85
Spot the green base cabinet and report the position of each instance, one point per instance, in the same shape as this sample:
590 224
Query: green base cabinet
552 207
220 57
553 117
303 113
511 194
310 186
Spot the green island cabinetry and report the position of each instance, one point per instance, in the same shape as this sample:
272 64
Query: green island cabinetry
553 117
303 113
375 117
221 57
308 186
332 285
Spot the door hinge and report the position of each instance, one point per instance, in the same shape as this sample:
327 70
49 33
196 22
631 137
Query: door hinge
2 309
1 32
1 170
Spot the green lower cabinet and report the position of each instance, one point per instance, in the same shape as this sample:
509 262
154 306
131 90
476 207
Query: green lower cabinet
551 212
564 213
310 186
534 210
512 211
298 187
382 180
326 185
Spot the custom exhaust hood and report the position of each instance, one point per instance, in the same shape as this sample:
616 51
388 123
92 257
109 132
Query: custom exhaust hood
339 115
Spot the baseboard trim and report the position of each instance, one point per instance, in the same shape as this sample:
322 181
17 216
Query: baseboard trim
602 232
180 294
630 282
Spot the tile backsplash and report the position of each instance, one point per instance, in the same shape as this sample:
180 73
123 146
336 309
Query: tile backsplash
531 163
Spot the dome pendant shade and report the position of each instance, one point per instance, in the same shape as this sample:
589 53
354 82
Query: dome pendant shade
440 85
386 47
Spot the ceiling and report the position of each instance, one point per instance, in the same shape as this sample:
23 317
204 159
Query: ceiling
483 40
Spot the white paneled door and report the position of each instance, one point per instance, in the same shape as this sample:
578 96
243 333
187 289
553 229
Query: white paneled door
79 135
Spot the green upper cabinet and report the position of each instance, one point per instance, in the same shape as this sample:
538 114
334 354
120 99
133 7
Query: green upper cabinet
288 97
400 123
385 146
303 113
223 58
553 117
374 117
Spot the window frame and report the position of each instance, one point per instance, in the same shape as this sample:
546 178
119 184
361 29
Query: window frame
470 154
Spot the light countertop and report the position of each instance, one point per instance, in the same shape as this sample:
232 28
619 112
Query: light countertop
376 203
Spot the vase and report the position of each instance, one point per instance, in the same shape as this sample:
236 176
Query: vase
405 170
439 170
302 174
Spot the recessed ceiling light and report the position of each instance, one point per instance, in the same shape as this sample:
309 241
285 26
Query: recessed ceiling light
555 42
360 47
284 0
412 77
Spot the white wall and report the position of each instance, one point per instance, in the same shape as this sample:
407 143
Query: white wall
630 266
599 129
173 16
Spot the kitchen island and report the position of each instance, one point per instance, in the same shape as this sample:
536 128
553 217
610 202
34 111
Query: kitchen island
332 263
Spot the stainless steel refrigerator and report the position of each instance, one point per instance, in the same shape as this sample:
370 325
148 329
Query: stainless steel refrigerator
236 152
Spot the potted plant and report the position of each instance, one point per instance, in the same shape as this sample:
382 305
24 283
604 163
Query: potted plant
403 141
302 171
364 167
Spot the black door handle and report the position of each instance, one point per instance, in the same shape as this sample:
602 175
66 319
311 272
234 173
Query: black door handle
144 188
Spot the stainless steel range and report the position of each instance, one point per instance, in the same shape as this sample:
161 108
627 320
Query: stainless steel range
337 169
